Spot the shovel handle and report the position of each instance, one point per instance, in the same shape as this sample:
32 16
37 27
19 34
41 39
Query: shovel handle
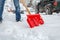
24 4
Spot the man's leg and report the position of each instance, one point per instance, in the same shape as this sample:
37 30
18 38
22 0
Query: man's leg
17 7
1 8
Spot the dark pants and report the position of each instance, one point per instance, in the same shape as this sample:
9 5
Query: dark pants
17 7
17 11
1 8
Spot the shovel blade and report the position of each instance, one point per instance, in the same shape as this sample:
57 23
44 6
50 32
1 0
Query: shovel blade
32 17
30 22
34 20
39 19
41 22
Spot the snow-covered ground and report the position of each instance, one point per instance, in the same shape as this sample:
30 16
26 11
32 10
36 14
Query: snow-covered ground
12 30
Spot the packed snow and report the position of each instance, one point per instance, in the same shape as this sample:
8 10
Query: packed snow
12 30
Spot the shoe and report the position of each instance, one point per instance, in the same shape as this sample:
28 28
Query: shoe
19 20
0 20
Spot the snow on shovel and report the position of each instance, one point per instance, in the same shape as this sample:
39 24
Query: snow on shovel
32 19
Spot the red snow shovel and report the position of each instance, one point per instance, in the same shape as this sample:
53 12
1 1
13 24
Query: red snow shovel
33 19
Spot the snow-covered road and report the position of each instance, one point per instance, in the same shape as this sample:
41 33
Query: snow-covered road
11 30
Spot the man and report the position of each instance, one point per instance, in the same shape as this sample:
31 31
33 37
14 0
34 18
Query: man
17 7
17 11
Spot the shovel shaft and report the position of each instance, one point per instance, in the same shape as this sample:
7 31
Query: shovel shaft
24 4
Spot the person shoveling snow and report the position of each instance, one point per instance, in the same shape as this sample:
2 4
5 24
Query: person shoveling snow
17 11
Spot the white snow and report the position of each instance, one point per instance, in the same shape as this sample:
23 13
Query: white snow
12 30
